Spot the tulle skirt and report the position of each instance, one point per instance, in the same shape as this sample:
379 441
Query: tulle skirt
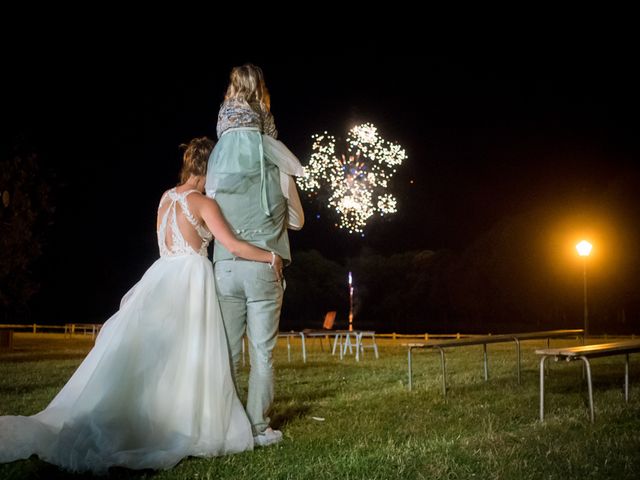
156 387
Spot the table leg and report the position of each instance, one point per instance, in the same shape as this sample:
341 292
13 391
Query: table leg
542 360
590 387
444 372
410 371
335 344
518 357
304 347
486 363
347 344
626 379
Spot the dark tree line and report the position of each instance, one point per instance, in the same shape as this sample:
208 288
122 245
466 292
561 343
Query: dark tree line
523 274
26 212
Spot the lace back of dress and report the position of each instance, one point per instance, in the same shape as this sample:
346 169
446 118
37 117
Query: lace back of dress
173 230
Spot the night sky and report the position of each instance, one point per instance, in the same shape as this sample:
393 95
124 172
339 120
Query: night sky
487 136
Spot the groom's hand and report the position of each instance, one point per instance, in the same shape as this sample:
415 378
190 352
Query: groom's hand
277 267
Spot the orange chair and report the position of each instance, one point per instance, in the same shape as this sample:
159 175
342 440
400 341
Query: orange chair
329 319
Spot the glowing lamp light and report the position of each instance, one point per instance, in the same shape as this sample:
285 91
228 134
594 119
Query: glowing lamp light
584 248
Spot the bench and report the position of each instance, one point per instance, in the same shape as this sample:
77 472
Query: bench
585 353
484 340
348 339
358 344
336 334
370 334
321 334
288 336
352 339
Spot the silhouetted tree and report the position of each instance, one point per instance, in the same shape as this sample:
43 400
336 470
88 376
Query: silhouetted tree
315 285
26 210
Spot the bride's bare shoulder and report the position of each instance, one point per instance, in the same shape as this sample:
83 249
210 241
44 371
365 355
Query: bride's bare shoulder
201 201
164 195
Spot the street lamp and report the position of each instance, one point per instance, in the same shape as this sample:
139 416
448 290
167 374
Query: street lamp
584 249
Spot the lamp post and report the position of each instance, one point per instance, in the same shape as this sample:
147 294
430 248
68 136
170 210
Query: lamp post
584 249
350 303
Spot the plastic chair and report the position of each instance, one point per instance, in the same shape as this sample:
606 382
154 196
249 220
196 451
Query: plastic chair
329 320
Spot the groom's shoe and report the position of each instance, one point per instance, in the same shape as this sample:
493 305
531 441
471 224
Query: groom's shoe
268 437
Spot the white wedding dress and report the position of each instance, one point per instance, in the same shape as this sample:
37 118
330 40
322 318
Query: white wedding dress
157 385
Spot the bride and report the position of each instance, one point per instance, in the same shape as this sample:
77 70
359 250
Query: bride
157 385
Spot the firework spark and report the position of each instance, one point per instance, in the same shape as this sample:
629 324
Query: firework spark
354 175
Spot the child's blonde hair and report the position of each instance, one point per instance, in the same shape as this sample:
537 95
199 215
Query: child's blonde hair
246 83
195 158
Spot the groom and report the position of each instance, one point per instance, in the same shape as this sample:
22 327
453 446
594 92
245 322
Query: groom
259 202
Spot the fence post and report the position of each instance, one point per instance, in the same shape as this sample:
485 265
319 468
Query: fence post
34 328
6 339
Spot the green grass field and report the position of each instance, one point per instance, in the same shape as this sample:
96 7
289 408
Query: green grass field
373 428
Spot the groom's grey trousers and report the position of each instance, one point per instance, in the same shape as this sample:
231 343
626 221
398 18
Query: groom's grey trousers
250 290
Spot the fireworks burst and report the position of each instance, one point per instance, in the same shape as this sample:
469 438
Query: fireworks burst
354 174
